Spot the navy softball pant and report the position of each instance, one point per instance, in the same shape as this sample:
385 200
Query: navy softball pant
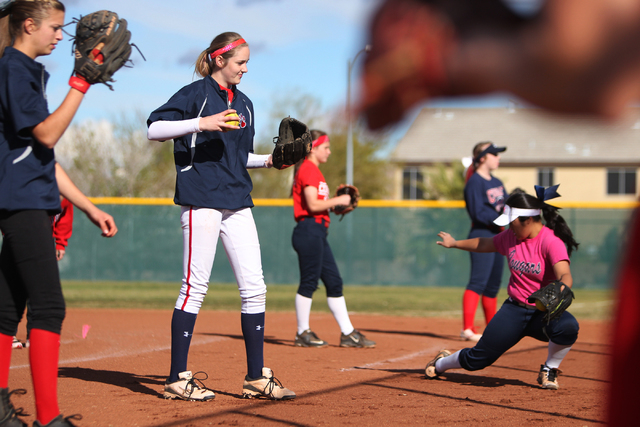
315 259
29 269
486 268
512 323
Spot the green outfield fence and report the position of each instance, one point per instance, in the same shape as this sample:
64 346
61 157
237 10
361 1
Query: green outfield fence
380 243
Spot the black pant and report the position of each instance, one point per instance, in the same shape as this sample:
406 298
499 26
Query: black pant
29 270
315 259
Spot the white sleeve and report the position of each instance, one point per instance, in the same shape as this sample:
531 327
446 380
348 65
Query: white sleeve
163 130
257 161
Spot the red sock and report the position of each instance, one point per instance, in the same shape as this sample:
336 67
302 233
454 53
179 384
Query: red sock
44 348
490 305
469 305
5 359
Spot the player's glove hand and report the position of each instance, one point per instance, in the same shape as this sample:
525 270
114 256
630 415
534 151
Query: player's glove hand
553 299
352 191
293 143
101 47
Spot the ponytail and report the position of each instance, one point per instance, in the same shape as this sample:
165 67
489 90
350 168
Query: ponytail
5 37
559 226
477 149
315 134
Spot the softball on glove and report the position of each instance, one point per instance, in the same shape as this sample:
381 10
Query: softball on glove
293 143
352 191
553 299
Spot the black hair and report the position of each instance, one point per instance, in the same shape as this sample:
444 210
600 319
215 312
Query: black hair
554 221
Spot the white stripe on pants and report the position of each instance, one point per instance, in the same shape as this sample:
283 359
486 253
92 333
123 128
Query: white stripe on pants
201 228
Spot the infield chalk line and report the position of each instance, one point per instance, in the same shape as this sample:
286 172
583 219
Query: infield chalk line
131 352
410 356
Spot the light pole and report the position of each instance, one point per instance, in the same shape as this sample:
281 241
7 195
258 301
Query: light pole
367 48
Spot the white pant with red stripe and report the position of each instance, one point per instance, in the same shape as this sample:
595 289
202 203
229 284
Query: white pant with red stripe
201 228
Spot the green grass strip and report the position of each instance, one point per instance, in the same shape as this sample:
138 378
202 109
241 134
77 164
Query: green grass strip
384 300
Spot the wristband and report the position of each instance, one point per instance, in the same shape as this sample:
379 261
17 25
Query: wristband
79 83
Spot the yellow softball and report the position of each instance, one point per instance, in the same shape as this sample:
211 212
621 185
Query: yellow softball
233 122
540 306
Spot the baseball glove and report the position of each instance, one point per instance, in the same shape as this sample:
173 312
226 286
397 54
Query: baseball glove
101 46
293 143
352 191
552 300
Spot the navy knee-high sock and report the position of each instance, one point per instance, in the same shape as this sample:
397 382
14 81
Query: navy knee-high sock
253 332
182 324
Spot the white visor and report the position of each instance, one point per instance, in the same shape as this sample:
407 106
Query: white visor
511 214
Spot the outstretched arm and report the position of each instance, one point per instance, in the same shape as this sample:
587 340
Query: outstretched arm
478 244
68 189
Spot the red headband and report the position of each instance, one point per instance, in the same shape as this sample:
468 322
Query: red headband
320 140
227 48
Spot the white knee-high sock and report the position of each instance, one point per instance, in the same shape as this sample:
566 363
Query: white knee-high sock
338 307
555 354
449 362
303 311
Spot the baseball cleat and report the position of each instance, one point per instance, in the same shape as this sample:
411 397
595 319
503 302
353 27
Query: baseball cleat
548 377
309 339
8 413
469 335
16 343
356 339
266 386
430 370
59 421
188 387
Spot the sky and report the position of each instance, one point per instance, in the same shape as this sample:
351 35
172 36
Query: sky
297 47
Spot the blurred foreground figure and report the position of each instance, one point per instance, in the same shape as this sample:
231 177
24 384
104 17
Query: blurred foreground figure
567 56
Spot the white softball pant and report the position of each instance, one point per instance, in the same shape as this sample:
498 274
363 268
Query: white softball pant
201 228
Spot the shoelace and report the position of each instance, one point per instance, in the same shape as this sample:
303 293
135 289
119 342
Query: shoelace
196 383
552 374
12 410
272 384
76 417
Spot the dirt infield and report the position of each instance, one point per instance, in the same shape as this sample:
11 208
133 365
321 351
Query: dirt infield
115 376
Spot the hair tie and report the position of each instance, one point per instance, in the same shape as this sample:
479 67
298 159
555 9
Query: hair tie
227 48
545 194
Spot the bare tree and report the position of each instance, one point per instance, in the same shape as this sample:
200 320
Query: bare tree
115 159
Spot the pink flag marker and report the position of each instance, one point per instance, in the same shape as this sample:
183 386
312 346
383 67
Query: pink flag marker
85 330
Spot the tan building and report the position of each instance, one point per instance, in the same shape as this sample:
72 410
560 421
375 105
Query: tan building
592 161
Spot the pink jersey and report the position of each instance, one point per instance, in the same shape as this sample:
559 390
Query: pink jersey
531 261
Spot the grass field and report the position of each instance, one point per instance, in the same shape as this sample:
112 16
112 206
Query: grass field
386 300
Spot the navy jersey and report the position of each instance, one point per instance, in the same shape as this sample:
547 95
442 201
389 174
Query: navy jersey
27 168
484 200
211 167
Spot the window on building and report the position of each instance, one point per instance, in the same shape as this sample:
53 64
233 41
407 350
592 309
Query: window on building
545 177
412 184
621 181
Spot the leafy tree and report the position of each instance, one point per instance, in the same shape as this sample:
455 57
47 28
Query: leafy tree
445 183
370 170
